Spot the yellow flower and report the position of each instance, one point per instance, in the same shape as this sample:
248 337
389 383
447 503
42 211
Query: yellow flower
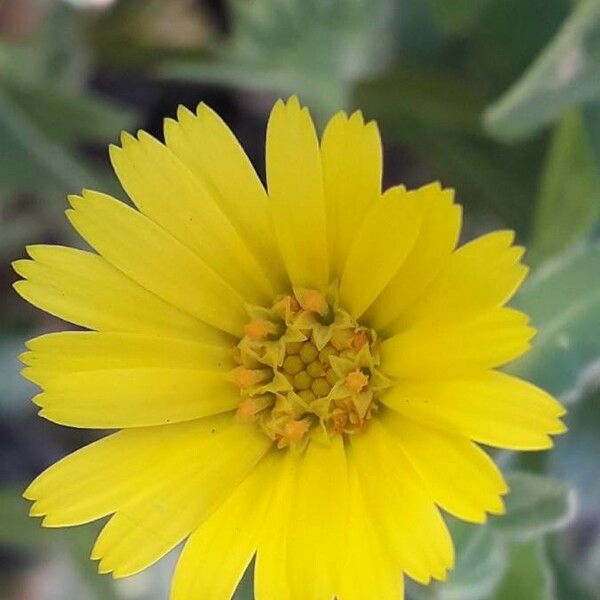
300 375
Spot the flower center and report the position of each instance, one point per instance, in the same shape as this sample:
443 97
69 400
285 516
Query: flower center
307 368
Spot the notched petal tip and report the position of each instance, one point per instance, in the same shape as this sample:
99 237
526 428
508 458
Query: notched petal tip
507 236
126 139
372 128
75 200
278 106
20 286
358 118
500 510
103 569
32 249
26 357
115 154
169 125
29 373
29 493
21 267
145 139
38 400
204 110
293 102
16 264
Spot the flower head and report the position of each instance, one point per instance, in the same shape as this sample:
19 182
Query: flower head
301 374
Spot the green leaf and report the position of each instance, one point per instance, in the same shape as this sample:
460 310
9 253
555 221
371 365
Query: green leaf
566 575
404 95
563 300
29 159
15 391
528 576
313 48
565 74
591 115
245 589
55 54
480 562
438 115
458 16
535 505
569 203
67 115
575 456
20 531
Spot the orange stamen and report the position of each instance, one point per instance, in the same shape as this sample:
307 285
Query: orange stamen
245 378
356 381
250 407
360 339
314 301
294 431
257 329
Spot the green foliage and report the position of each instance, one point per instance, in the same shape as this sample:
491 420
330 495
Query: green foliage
15 391
480 562
427 70
563 301
576 553
575 458
458 16
18 530
30 160
569 202
528 576
66 115
489 556
566 74
534 506
307 47
45 112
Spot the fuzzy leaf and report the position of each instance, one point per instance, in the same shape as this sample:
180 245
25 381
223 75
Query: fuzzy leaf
480 563
535 505
528 576
569 203
565 74
563 300
313 48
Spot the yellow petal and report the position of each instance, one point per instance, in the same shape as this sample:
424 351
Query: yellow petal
167 192
157 261
404 514
56 354
85 289
295 183
208 148
378 249
438 235
487 341
479 276
217 553
271 579
115 379
369 571
352 166
97 479
200 478
318 521
133 397
459 475
490 408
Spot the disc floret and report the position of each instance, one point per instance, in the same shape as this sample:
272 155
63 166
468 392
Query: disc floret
307 368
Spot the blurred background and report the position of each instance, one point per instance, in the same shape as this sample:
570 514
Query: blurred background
499 99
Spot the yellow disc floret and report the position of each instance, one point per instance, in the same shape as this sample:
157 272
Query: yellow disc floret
307 368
